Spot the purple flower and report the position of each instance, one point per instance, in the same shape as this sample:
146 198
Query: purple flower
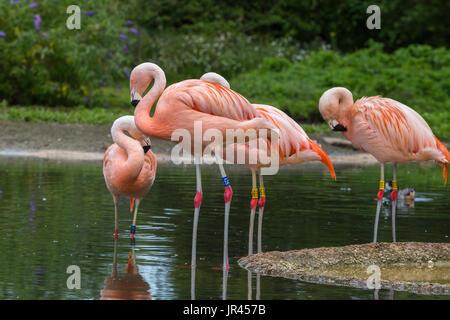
2 34
37 21
14 2
34 5
102 83
91 13
127 74
134 31
122 36
125 48
117 86
129 23
86 99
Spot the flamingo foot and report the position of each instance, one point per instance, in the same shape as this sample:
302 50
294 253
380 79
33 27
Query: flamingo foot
226 267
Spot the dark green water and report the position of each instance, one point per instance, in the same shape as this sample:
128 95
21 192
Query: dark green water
53 215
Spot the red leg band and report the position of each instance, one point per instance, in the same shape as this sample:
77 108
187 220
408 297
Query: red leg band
228 194
198 199
394 195
262 202
380 195
253 203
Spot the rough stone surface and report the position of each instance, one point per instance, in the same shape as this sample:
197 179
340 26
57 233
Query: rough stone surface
307 264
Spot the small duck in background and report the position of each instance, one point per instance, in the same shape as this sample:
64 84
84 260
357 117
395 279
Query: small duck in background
405 196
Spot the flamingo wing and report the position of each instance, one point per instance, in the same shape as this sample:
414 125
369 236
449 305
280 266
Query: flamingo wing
212 98
391 125
295 145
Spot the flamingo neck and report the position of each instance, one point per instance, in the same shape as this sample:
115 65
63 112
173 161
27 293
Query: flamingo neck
144 122
133 148
345 100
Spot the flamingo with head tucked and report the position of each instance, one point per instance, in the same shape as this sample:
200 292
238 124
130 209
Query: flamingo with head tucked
385 128
129 166
295 148
182 106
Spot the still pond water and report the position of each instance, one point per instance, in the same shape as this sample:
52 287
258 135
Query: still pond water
54 215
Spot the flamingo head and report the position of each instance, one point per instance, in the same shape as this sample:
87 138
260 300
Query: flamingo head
333 105
140 79
126 123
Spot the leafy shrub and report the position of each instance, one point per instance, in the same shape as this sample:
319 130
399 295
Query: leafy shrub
43 62
418 76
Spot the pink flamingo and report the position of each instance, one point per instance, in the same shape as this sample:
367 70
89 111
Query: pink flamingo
295 148
387 129
129 166
182 105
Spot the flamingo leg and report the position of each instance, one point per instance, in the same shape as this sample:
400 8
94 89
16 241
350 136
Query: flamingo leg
253 204
262 202
133 226
249 285
228 194
394 195
197 203
380 199
258 286
116 218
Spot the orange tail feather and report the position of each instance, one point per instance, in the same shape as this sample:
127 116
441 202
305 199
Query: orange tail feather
324 158
446 154
131 204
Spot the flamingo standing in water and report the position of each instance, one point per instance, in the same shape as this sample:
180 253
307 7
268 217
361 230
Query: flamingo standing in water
295 148
387 129
181 106
129 166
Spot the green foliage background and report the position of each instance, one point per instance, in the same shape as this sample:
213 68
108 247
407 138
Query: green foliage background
284 53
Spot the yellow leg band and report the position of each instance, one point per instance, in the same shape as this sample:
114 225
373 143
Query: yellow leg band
255 193
394 185
262 192
381 184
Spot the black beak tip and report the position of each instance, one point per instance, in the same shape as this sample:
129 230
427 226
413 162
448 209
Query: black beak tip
339 127
134 102
146 148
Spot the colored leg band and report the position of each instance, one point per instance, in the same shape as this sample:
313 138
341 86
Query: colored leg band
254 193
394 185
225 181
262 192
133 229
381 184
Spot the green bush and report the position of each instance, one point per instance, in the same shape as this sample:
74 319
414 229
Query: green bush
46 63
418 76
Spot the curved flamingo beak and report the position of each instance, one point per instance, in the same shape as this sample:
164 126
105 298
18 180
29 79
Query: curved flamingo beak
336 126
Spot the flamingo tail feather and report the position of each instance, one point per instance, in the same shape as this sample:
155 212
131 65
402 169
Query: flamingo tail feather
323 157
446 154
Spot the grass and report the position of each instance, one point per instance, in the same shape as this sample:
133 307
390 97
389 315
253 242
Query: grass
62 115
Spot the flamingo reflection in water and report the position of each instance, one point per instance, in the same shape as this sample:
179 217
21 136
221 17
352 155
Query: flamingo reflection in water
125 286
